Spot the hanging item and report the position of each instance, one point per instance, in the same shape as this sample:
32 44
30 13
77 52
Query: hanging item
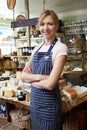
11 4
44 5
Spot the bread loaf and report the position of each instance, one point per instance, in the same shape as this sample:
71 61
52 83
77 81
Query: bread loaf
71 93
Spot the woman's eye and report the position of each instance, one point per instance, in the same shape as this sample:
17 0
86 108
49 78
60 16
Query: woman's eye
50 23
42 24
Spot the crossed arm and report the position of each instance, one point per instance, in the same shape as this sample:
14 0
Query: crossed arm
44 81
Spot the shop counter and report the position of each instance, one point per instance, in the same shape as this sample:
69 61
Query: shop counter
75 116
77 103
12 102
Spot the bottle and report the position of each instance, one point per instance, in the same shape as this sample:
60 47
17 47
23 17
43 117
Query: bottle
18 74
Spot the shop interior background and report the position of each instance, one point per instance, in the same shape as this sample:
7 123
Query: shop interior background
67 10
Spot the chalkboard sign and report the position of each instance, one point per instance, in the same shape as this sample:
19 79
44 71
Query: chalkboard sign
24 23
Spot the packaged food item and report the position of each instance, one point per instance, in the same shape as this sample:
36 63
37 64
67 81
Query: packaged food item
27 97
18 74
62 83
70 93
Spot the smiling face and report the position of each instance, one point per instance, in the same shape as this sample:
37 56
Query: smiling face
48 25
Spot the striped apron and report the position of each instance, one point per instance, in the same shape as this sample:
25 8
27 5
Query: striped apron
45 104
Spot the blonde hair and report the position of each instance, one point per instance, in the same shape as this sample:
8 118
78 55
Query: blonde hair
47 13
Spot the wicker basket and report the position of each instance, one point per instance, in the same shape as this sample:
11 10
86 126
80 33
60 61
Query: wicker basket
20 118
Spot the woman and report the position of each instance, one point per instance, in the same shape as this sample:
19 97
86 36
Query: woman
43 72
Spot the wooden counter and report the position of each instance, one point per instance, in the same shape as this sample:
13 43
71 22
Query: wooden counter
78 102
12 102
75 117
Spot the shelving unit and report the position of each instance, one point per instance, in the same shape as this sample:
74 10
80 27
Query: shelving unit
6 45
23 49
76 29
75 36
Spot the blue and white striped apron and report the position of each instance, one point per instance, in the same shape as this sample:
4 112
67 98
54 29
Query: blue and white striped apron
45 105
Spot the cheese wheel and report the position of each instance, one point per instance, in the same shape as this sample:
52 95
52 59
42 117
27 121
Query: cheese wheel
9 93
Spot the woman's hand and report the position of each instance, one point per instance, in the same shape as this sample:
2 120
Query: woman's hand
27 69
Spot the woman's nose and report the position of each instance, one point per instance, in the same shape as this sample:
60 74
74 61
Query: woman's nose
45 26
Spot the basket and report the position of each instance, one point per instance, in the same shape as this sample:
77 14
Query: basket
20 118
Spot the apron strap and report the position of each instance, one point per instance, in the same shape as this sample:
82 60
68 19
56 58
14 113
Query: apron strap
52 45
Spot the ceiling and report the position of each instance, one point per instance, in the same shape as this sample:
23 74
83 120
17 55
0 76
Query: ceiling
36 6
60 6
